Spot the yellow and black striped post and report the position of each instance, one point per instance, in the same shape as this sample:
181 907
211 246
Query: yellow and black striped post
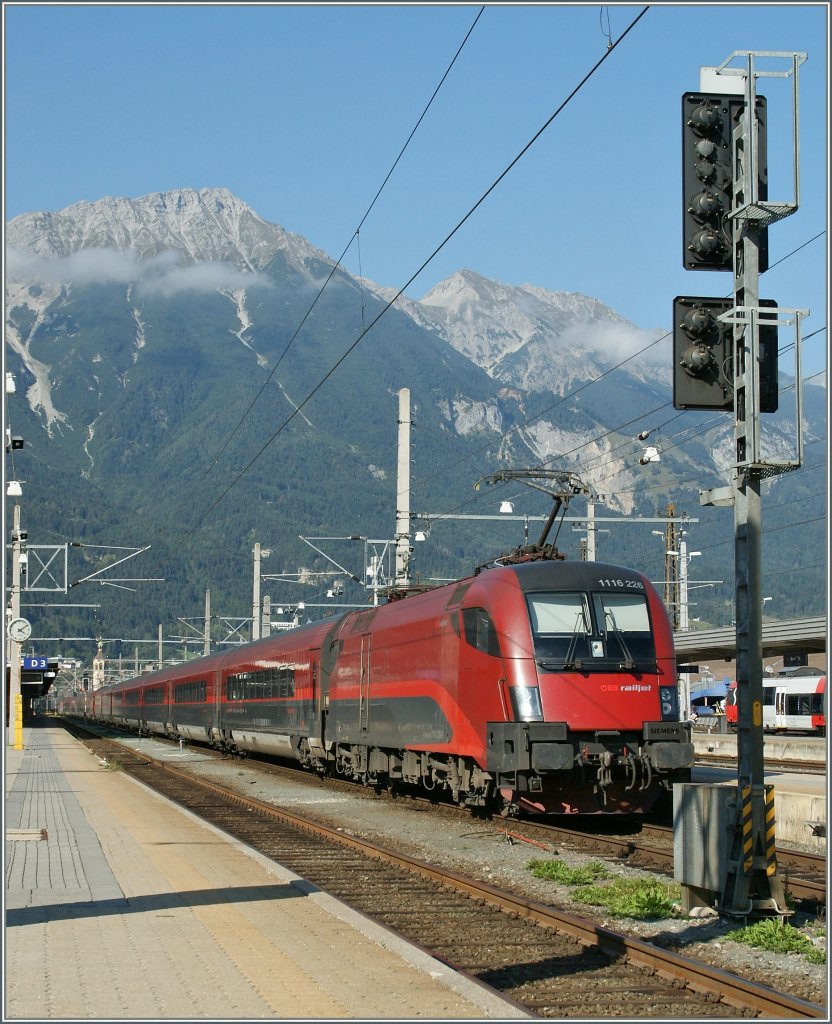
771 820
747 830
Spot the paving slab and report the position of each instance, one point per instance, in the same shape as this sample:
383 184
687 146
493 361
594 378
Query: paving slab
122 906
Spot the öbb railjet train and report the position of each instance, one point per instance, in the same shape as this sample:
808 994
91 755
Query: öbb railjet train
547 687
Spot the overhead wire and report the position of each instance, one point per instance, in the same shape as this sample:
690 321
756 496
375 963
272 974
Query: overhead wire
700 429
537 415
354 237
542 412
519 426
426 262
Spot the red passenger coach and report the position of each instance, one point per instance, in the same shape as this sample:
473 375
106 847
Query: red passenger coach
546 686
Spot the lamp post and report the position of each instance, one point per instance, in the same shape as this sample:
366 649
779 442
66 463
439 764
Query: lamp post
676 597
685 557
259 553
18 629
671 572
289 610
17 632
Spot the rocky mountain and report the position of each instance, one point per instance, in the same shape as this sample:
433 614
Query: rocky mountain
202 225
193 376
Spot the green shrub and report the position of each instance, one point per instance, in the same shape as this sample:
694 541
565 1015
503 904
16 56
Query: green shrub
633 898
557 871
778 937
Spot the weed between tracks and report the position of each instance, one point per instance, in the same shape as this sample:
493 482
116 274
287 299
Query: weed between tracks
642 900
557 871
779 937
645 900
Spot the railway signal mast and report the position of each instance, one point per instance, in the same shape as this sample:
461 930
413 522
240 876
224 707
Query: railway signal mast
725 357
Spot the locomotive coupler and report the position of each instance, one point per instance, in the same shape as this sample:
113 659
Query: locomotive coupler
632 772
647 776
604 775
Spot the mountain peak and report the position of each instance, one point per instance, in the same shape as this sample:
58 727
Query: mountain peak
199 224
525 333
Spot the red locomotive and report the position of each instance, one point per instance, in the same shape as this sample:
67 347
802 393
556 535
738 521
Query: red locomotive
547 686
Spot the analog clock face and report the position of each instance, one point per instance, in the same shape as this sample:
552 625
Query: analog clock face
20 630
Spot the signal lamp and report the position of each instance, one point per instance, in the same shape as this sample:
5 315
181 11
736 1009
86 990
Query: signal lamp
709 123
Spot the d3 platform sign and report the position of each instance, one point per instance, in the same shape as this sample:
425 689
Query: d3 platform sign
36 664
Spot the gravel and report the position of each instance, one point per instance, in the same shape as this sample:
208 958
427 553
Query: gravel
488 852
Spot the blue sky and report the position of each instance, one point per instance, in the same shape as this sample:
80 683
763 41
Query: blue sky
301 110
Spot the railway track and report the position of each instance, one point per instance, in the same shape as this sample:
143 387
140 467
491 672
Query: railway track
551 963
794 765
804 873
648 845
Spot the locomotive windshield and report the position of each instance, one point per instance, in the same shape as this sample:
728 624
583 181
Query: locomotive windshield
591 630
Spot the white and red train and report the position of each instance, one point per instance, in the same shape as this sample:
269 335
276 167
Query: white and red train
795 702
544 687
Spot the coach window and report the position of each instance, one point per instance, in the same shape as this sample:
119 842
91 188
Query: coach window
239 686
798 704
270 682
480 631
287 681
188 693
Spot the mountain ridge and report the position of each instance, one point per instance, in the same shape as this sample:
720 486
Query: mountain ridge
143 329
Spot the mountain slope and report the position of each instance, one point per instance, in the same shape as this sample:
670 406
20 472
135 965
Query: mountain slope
186 380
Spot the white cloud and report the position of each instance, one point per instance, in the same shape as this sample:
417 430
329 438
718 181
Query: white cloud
617 341
85 267
164 274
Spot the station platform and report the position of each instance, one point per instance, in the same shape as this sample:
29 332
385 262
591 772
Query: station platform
120 905
800 798
711 736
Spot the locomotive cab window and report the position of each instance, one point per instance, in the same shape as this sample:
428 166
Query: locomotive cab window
625 627
608 630
560 626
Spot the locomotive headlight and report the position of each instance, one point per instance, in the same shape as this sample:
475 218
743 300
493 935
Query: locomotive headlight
525 702
669 702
